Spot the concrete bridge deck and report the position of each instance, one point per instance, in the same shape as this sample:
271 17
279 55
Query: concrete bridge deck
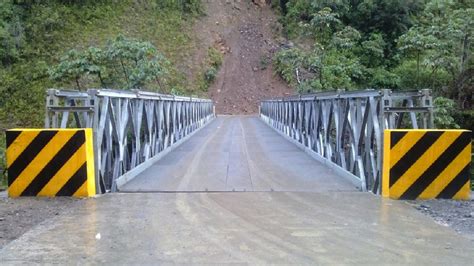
294 211
237 153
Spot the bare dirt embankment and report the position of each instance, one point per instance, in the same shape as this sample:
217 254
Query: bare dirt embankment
247 33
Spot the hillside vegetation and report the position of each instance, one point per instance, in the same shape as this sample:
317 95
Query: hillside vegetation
35 35
394 44
43 44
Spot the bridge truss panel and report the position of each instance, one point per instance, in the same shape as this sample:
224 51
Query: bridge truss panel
130 127
345 128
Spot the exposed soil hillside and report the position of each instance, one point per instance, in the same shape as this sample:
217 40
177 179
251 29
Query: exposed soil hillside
247 34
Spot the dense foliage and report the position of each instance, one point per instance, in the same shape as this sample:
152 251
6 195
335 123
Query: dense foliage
395 44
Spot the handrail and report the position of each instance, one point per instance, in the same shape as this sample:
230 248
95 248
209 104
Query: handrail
344 129
130 127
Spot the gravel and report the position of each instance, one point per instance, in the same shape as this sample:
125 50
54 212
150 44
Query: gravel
459 215
19 215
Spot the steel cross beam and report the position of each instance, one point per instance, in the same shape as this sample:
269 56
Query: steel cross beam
130 127
344 129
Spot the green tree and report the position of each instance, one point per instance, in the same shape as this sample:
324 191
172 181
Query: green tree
323 25
331 63
414 43
441 43
123 63
345 39
72 66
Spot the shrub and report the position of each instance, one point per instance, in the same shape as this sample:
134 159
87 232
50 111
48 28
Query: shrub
210 74
286 62
443 113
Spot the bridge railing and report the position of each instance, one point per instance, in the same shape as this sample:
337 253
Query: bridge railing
131 128
344 129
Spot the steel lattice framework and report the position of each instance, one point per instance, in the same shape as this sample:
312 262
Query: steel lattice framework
344 129
131 128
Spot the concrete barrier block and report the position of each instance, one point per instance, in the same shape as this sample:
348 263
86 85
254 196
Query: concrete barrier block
426 164
50 162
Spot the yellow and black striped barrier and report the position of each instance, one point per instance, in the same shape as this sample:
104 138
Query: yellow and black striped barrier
50 162
426 164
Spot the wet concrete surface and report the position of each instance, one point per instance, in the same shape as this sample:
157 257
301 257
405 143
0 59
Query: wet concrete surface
240 227
237 153
294 211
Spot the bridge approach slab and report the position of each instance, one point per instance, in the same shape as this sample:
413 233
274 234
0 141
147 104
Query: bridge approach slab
242 227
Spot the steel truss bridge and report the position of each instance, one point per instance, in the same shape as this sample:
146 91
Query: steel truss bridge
131 128
342 130
283 186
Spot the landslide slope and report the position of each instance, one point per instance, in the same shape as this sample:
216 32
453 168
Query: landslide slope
248 36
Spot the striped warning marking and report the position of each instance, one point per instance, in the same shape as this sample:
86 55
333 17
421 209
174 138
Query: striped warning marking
50 162
426 164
